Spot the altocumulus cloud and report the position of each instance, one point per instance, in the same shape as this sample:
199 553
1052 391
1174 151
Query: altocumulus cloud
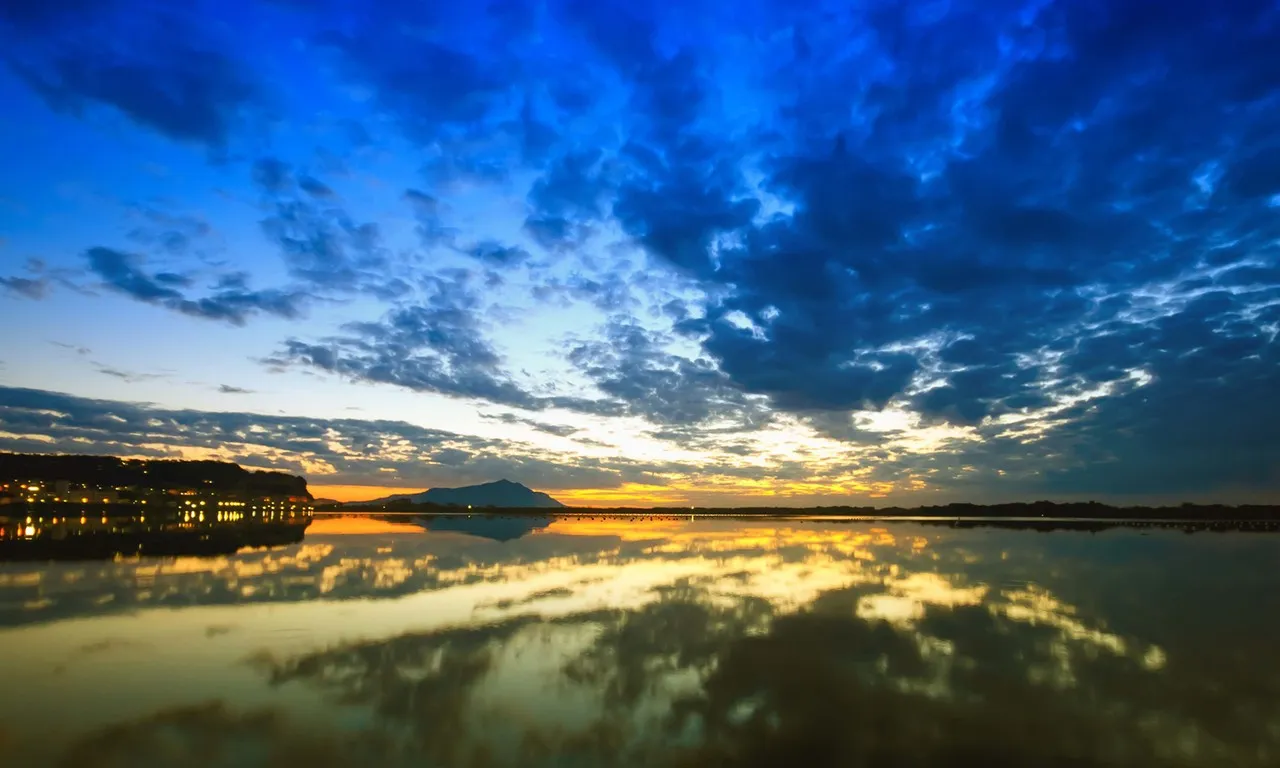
229 301
337 451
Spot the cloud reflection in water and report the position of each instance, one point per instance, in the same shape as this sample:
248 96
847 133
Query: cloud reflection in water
675 642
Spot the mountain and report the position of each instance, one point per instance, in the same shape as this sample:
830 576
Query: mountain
502 493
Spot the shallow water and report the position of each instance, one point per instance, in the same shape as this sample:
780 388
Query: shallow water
651 641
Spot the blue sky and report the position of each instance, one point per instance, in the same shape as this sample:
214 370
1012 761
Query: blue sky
758 252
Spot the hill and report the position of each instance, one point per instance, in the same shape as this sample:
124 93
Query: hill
502 493
112 472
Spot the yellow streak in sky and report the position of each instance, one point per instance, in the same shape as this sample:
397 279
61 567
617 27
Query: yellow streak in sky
355 492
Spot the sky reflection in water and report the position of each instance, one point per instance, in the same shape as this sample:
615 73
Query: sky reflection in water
651 642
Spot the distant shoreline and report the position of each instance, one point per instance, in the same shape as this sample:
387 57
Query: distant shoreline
1046 523
1040 511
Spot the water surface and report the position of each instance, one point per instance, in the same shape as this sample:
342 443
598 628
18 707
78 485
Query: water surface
474 641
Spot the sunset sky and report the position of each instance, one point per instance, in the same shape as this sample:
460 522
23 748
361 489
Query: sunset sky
759 252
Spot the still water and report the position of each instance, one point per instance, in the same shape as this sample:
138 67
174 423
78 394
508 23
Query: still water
473 641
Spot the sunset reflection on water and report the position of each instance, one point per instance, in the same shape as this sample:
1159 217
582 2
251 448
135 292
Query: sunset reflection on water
650 640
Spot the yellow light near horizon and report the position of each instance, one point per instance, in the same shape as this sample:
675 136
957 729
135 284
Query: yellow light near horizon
357 492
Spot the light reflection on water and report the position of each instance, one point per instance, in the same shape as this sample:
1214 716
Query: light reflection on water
667 641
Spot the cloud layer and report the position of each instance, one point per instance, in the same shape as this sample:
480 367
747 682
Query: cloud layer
988 247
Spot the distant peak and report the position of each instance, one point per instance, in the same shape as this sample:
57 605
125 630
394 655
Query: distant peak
498 493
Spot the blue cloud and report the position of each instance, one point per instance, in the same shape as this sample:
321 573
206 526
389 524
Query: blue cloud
25 286
437 346
1051 225
630 364
120 272
157 69
356 449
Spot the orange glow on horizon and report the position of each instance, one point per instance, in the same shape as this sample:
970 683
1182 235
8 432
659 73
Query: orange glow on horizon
679 493
740 493
356 492
627 495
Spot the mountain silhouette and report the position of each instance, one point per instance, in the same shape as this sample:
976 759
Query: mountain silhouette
502 493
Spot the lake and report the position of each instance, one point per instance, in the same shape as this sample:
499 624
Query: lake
650 641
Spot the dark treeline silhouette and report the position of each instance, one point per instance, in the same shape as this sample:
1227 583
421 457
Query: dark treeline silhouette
109 471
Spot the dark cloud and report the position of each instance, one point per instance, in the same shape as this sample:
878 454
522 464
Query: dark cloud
339 451
568 199
426 210
227 389
1203 421
320 242
431 86
1023 200
79 350
456 81
1052 225
436 346
314 187
272 175
498 255
161 70
612 292
122 273
24 286
127 376
558 430
632 366
39 16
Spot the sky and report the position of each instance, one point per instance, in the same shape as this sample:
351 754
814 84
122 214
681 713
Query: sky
647 253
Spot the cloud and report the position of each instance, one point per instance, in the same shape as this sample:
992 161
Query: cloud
321 244
569 198
315 187
227 389
435 346
163 71
497 254
1038 238
630 364
23 286
79 350
426 211
557 430
336 451
127 376
428 84
120 272
994 233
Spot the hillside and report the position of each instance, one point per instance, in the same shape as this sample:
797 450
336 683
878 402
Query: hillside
112 472
503 493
